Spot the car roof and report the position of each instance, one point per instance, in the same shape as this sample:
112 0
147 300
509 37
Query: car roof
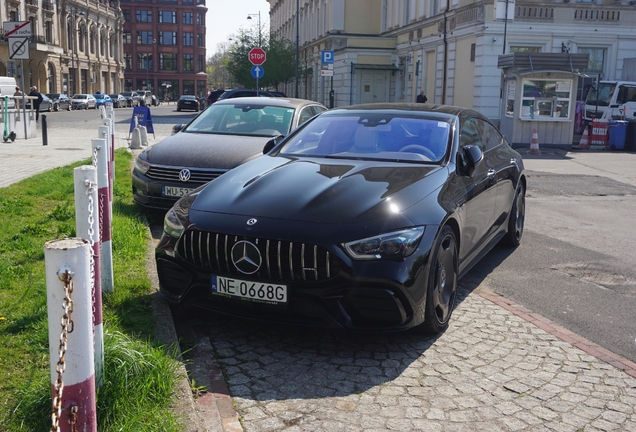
272 101
447 110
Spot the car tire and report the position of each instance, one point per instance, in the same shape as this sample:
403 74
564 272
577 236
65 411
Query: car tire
56 107
442 283
517 219
68 108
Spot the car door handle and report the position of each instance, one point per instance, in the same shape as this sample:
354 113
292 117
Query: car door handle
491 173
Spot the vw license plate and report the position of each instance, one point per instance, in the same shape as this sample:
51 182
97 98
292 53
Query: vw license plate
256 291
172 191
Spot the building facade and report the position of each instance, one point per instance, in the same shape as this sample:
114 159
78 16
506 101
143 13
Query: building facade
74 46
164 47
390 50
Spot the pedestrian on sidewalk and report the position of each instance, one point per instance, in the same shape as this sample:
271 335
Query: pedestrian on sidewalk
18 93
421 98
36 102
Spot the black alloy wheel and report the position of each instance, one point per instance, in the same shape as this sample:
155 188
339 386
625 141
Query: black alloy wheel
516 219
442 283
56 107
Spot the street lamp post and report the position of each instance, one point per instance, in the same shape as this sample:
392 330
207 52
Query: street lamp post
297 44
249 16
148 63
74 13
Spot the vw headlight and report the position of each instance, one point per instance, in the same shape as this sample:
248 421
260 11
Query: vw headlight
391 245
141 166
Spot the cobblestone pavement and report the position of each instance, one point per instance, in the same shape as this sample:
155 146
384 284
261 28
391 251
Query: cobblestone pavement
490 371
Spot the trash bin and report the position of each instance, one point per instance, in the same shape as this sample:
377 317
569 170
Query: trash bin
617 134
630 138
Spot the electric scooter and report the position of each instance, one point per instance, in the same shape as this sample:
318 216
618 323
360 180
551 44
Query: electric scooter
6 136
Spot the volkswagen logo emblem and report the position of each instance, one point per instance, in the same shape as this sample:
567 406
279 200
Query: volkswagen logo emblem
246 257
184 175
251 221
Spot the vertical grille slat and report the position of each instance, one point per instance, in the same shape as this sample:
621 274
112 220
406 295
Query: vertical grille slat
282 260
291 260
269 268
302 260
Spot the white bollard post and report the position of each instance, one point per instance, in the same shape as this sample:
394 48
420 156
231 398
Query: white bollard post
135 141
104 133
144 135
106 258
87 227
68 296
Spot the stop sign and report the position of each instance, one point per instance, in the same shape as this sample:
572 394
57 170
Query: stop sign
257 56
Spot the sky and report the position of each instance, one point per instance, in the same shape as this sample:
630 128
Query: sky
227 17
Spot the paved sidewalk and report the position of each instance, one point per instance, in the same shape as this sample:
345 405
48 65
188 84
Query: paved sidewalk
499 367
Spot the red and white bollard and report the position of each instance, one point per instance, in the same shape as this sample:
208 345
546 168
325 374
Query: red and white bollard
68 295
87 227
106 256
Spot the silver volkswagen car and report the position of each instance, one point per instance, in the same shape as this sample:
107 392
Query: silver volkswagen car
227 134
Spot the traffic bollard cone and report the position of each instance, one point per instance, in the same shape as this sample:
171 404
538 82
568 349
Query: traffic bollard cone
534 144
584 144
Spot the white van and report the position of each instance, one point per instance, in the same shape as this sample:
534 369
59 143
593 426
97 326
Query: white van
7 88
613 98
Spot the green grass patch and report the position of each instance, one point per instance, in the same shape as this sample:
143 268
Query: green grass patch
140 375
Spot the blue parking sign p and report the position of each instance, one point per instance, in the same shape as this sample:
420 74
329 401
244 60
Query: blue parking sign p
327 56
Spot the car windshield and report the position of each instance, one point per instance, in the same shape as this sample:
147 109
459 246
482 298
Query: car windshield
398 137
243 119
126 94
80 96
604 95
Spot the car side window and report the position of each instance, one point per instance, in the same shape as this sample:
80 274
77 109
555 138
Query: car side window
305 114
490 136
318 109
469 134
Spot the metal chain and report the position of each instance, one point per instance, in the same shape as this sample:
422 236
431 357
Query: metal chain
67 327
90 189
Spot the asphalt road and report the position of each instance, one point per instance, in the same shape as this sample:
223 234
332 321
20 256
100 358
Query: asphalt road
576 265
163 117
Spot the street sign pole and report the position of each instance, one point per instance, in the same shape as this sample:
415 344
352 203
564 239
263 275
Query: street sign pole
18 33
257 57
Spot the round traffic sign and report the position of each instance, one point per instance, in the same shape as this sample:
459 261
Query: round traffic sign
257 56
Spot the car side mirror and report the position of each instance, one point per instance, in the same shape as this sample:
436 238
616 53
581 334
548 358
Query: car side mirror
177 128
272 143
471 156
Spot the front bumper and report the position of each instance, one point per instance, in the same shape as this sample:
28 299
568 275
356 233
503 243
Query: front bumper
378 295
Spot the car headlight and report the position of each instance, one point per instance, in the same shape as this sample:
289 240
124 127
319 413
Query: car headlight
397 244
141 166
176 219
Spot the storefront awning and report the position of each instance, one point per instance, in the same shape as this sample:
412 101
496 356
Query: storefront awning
390 67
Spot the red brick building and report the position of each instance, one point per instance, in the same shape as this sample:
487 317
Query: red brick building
164 47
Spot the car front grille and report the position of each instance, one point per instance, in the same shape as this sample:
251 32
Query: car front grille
199 176
281 260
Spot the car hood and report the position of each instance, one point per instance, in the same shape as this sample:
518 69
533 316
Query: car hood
318 190
197 150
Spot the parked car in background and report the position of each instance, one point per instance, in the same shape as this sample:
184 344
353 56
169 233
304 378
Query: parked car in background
155 101
83 101
363 219
118 100
145 97
102 99
228 133
60 101
214 96
45 106
132 98
237 93
188 102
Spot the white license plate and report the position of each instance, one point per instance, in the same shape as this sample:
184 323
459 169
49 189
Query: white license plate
257 291
172 191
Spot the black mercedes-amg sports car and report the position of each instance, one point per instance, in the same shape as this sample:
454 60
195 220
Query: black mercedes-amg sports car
364 218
